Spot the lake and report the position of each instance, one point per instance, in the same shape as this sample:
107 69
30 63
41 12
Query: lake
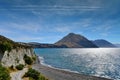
102 62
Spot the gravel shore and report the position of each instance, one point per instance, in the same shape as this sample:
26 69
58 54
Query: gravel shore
56 74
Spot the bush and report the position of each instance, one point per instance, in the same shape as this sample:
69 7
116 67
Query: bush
34 58
34 75
5 47
28 60
4 73
42 78
20 67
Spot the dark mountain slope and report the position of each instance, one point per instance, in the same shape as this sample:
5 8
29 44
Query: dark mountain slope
103 43
75 41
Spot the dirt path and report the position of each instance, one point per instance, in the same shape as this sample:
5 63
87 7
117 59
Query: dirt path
18 75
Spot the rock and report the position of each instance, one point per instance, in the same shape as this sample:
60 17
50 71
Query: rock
15 56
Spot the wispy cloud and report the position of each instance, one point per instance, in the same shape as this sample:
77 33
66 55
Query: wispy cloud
55 7
69 27
63 29
31 27
48 17
27 38
5 31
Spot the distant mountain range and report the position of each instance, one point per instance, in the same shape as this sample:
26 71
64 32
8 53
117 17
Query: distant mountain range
103 43
118 45
43 45
71 40
75 41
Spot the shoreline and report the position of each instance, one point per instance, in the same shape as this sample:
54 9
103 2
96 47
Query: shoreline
41 61
59 74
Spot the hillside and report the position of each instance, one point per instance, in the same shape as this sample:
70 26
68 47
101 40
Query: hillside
103 43
8 44
75 41
15 61
43 45
118 45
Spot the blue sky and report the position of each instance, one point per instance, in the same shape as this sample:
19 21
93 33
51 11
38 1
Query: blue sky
47 21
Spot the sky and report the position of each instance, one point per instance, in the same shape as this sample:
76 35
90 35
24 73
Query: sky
47 21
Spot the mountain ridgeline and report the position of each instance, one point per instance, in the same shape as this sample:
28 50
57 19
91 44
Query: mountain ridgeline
117 45
8 44
71 40
103 43
75 41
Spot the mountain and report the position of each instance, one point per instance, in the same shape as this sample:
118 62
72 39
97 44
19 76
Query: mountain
75 41
118 45
43 45
103 43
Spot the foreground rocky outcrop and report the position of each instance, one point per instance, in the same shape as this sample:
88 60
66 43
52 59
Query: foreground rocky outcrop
16 60
16 56
12 53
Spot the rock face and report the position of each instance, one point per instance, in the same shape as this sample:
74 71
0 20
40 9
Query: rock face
12 53
75 41
15 56
103 43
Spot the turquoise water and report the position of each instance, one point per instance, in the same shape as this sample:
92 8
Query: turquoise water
103 62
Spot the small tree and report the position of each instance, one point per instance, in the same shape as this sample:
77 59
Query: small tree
20 66
33 74
5 47
28 60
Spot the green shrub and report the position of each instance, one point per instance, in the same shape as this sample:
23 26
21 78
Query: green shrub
28 60
4 73
34 75
34 58
42 77
5 47
20 67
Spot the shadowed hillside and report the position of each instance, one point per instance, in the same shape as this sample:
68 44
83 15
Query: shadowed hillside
75 41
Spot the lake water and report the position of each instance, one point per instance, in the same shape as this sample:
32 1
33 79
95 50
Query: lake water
103 62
